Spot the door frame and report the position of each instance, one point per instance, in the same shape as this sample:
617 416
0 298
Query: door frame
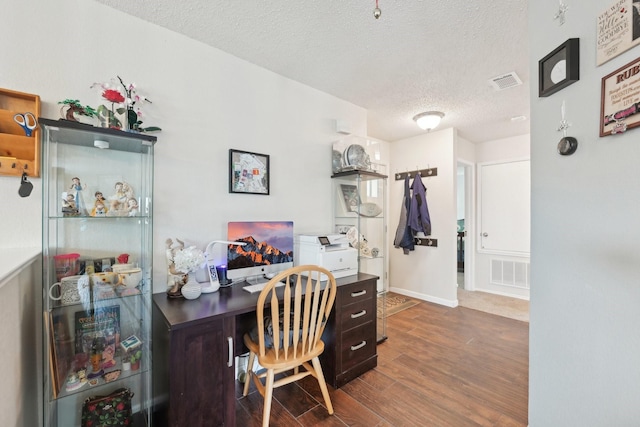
469 222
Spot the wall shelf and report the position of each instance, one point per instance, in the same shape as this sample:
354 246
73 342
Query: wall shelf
18 153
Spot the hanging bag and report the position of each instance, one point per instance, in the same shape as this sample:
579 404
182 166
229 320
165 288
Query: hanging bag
111 410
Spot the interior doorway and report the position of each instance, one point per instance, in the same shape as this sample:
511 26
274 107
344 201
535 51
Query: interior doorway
464 212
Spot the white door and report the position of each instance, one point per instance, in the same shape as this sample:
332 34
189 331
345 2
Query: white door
505 208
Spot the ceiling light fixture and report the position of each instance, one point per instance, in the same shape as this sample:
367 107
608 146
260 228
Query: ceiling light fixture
429 120
377 12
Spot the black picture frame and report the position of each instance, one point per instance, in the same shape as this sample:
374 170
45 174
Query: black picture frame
550 76
248 172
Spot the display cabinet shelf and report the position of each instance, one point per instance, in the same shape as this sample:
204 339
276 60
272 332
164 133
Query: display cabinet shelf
96 268
360 213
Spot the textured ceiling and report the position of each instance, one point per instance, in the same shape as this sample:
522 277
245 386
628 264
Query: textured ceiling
420 55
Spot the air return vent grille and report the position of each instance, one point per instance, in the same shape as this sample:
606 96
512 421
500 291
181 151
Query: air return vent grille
510 273
505 81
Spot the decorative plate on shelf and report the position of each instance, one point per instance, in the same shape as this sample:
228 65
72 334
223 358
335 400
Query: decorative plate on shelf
355 155
370 209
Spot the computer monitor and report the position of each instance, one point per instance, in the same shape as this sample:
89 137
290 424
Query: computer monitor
268 249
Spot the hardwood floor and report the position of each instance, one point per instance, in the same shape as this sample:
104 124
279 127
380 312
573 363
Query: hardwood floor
440 366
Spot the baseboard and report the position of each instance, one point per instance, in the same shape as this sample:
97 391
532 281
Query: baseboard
424 297
503 294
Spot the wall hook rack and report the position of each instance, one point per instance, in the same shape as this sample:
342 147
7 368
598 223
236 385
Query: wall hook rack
15 145
425 241
13 166
425 173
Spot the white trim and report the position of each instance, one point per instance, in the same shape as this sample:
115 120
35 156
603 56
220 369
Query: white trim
14 260
504 294
469 224
428 298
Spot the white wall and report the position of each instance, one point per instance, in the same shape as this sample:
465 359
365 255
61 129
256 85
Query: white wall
206 102
427 273
20 330
465 152
584 311
505 149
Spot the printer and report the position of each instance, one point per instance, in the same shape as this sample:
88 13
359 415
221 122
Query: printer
331 251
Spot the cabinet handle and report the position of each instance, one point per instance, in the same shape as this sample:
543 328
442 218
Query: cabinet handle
359 346
359 293
359 314
230 342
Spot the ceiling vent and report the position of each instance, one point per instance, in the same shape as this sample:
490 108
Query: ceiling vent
505 81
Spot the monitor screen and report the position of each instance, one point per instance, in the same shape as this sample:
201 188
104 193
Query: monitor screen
268 249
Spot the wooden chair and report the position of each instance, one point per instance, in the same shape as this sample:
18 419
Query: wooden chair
295 338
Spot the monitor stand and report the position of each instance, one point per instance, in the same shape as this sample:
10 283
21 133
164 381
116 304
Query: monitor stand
256 280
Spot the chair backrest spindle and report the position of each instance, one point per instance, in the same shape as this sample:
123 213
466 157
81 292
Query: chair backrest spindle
299 317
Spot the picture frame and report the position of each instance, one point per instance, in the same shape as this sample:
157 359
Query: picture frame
248 172
560 68
617 30
620 99
351 197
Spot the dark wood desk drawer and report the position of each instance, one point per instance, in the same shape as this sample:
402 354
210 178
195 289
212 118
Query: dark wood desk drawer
356 314
356 292
358 344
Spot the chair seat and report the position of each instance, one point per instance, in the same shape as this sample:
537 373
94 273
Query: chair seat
269 359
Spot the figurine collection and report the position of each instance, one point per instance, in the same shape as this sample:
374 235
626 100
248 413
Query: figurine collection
122 202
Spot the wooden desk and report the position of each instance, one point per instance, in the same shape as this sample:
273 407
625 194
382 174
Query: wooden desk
195 341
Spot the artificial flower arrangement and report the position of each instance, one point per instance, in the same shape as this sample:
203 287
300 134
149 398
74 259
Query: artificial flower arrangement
129 102
188 260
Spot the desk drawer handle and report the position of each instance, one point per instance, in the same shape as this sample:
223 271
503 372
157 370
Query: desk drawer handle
230 342
359 293
359 346
358 314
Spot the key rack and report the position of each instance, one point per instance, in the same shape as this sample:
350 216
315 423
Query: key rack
424 173
18 152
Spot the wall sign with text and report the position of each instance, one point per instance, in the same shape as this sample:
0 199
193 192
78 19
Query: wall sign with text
618 29
620 104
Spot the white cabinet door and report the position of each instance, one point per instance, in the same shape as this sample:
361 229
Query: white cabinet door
505 207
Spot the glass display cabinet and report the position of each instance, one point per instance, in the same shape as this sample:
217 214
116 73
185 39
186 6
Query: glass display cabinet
359 212
97 259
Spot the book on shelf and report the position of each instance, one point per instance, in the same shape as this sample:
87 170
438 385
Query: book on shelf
61 355
95 323
97 332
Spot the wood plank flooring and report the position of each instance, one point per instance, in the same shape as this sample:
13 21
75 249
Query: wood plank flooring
440 366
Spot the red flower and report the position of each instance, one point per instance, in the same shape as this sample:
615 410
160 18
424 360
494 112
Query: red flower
112 95
120 406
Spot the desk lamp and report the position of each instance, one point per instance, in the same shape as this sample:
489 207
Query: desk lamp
214 281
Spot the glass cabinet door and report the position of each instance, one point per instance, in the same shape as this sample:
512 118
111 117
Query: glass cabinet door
359 212
97 260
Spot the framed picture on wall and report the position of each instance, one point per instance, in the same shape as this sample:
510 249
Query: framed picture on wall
617 29
560 68
620 99
248 172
